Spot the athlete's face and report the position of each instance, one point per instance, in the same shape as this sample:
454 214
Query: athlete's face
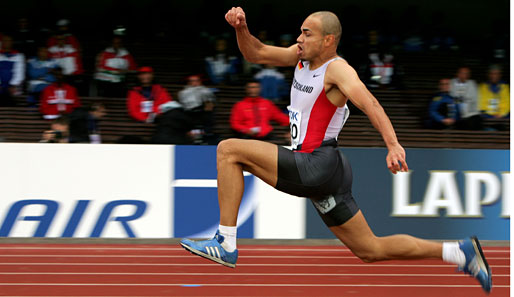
310 42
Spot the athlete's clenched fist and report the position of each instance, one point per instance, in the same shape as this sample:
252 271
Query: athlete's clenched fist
236 17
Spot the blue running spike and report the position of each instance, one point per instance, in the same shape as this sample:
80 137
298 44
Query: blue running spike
476 264
211 249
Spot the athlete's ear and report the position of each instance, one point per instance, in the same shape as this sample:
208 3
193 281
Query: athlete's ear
329 39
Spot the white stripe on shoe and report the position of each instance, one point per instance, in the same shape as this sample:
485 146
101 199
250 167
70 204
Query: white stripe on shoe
217 252
202 254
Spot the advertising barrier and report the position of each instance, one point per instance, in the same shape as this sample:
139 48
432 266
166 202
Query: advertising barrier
447 194
159 191
81 190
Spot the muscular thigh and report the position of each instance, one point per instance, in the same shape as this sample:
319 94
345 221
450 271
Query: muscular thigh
257 157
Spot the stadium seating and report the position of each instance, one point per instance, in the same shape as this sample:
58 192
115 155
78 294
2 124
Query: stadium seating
406 108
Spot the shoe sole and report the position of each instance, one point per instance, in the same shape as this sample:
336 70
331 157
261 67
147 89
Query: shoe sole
482 262
199 253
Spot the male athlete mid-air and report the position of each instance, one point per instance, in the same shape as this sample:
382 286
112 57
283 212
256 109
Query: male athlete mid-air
323 83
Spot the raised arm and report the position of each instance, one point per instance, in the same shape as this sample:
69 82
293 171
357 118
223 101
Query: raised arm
346 79
255 51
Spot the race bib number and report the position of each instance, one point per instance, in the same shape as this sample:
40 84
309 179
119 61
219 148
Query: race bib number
295 118
146 106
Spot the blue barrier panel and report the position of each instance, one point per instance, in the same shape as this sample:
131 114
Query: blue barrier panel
448 194
196 210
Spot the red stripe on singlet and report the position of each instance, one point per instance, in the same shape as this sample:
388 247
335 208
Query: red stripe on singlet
321 115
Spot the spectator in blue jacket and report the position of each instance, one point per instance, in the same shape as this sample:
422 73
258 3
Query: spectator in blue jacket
444 111
273 84
12 71
40 72
221 67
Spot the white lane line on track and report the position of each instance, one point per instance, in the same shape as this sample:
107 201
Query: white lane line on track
99 247
243 264
247 274
184 256
245 285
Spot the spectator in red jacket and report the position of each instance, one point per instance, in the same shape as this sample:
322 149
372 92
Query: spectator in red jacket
66 54
144 100
58 98
63 31
250 117
112 66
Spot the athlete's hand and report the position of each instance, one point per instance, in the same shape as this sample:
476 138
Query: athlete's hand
395 157
236 17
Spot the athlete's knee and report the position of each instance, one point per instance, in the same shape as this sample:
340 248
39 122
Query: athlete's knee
372 252
226 150
367 256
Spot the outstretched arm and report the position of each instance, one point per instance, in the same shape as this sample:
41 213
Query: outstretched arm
255 51
346 79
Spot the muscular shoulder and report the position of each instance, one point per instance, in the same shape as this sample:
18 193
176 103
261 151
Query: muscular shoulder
340 70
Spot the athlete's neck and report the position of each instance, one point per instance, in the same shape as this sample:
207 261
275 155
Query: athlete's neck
322 59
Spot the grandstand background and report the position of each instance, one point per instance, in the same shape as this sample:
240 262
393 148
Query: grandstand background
171 37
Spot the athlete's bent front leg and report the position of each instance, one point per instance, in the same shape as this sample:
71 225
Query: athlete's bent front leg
359 238
233 156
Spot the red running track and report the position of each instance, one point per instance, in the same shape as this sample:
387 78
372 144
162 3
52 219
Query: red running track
266 270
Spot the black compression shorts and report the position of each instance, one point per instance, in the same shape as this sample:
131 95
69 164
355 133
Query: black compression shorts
324 176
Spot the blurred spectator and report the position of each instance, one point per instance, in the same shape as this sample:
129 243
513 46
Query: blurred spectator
221 67
84 126
273 84
381 70
144 100
172 125
63 33
58 98
444 110
58 133
66 54
24 38
39 70
464 90
250 117
198 101
112 66
12 71
494 96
